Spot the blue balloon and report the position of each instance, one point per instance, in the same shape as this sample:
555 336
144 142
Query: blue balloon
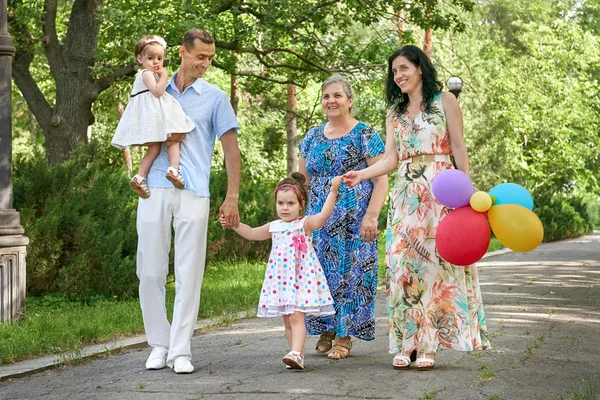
511 193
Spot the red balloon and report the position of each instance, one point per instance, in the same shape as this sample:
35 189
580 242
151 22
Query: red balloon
463 236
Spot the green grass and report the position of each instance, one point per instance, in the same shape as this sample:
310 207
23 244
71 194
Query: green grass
429 395
55 329
486 373
590 392
495 245
230 287
54 324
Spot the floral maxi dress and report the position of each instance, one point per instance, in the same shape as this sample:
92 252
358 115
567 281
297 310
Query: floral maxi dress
432 305
294 280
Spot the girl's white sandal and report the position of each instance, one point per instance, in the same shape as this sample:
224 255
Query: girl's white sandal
294 359
139 186
175 177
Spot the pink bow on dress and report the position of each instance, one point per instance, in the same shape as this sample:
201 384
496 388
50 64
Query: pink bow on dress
299 242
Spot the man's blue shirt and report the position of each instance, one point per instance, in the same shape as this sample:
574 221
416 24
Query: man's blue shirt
210 109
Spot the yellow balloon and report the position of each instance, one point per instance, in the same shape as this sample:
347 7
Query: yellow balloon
480 201
516 227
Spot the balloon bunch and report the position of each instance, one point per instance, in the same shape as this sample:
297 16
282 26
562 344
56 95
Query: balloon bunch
463 235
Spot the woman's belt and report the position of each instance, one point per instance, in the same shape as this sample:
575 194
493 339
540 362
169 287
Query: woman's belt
427 158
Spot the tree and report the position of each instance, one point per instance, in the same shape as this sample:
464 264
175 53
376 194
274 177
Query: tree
85 45
531 113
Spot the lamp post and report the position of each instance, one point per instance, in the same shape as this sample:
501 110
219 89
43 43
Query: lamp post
13 244
455 85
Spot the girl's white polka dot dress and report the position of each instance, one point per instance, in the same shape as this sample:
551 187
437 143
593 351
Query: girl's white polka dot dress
294 279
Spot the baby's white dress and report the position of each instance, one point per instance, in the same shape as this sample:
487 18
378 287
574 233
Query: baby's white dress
148 118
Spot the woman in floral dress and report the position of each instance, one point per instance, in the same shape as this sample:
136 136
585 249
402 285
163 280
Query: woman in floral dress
432 304
347 245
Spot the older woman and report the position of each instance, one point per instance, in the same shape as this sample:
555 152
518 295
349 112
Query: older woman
347 244
432 305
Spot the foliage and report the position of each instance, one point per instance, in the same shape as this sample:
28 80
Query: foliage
531 114
80 218
86 46
593 212
530 71
562 218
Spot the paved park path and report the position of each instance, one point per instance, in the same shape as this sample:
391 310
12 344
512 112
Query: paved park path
543 315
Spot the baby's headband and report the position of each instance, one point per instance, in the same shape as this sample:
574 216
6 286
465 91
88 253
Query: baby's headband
160 41
292 186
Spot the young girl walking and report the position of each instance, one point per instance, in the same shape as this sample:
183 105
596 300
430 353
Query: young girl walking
152 116
295 283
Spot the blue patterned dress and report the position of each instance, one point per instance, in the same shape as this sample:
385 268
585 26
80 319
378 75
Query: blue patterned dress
350 264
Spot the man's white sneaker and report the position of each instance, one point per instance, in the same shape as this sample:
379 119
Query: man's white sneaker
182 365
157 359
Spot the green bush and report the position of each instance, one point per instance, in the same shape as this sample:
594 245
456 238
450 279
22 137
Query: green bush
593 212
562 218
256 206
80 218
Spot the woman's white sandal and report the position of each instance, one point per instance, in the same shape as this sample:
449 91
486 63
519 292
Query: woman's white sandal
428 364
404 359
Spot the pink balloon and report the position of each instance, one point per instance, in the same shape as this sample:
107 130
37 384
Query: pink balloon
463 236
452 188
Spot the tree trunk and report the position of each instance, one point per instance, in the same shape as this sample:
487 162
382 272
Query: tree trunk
65 123
400 21
67 129
33 127
126 152
234 94
290 129
427 42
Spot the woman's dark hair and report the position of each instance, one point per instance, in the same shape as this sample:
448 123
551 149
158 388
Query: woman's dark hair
397 100
297 180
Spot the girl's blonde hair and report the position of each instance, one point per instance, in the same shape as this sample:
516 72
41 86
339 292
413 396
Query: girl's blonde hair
146 40
295 182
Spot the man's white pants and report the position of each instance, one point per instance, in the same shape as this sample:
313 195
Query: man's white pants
189 215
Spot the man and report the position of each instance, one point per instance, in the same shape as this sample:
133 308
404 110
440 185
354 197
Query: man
187 210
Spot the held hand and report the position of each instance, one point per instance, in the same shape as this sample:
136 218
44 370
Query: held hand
230 214
335 184
368 228
352 178
222 222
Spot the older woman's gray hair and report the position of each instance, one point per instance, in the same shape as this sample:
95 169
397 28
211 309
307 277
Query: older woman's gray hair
342 81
